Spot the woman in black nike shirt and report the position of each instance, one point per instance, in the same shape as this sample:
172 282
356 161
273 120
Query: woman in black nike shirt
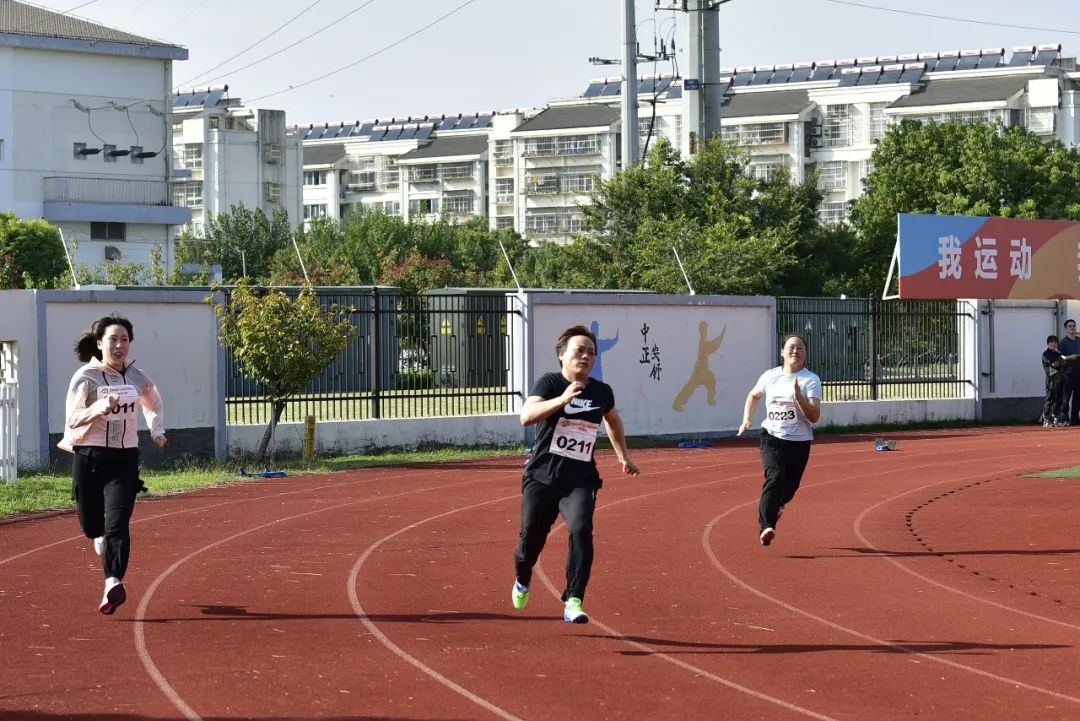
561 476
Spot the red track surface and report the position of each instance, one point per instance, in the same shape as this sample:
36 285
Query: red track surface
933 582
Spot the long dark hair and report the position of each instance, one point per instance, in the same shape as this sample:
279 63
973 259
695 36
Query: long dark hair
86 347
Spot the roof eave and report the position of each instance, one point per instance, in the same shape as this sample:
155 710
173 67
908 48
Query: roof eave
95 47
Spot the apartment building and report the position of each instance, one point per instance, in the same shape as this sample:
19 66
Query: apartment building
227 154
84 132
814 119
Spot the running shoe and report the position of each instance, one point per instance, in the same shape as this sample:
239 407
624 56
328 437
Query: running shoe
99 545
767 535
114 596
520 596
574 613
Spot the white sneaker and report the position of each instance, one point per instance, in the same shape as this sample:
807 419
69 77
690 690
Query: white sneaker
99 545
114 595
573 612
767 535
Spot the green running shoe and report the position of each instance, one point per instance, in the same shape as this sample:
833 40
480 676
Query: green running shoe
574 613
520 596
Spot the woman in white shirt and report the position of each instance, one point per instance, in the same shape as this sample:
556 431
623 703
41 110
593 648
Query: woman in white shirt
102 433
792 405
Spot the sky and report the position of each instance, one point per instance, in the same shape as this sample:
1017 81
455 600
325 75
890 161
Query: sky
486 55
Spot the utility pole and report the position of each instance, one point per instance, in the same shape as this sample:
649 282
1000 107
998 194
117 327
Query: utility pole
629 89
702 90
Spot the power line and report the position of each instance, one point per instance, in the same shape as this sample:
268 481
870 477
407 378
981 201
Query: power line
291 45
952 19
44 19
366 57
264 38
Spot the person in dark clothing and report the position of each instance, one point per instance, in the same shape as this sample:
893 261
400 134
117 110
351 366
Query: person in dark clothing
561 476
1055 366
1069 344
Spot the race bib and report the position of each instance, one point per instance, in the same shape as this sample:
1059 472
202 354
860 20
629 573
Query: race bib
126 396
574 438
782 413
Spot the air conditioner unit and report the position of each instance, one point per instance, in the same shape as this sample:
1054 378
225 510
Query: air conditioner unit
815 141
112 252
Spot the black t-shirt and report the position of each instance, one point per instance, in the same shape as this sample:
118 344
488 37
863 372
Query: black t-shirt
1053 363
588 408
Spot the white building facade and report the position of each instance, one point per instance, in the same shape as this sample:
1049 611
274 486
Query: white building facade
84 133
228 155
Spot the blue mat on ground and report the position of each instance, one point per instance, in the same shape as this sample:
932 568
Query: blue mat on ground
694 444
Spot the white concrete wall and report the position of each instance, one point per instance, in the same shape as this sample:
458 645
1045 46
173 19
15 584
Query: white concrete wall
851 413
18 323
1015 346
340 437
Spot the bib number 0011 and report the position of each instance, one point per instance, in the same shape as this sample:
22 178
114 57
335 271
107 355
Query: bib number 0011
574 439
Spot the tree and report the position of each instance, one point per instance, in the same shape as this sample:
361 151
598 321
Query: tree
281 343
31 253
956 169
245 238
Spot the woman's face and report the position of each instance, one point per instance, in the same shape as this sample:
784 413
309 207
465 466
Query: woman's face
114 346
793 353
579 357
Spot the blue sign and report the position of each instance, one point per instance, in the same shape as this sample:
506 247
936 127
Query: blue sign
691 84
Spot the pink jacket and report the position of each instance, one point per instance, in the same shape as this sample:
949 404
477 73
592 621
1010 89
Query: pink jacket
90 420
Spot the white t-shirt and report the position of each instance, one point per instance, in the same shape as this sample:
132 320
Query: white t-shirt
783 417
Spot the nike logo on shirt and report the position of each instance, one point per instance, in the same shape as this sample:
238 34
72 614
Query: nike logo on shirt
576 406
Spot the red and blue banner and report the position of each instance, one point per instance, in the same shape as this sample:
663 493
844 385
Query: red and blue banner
952 256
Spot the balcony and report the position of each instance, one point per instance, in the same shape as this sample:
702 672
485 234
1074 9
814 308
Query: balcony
104 199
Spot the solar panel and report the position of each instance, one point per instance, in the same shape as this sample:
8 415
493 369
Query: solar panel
743 76
781 75
483 121
1021 55
377 134
870 75
913 72
674 92
664 83
613 87
424 132
884 60
969 59
867 60
365 128
991 58
801 72
392 132
762 75
846 63
408 133
891 73
213 97
946 62
593 91
1046 54
849 76
907 58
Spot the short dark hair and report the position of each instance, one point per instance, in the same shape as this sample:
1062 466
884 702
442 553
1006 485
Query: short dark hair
86 347
1070 320
564 338
1051 338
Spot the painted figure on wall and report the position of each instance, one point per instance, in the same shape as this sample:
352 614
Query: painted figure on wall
701 375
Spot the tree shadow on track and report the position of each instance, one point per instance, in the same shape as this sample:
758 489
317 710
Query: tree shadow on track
964 648
852 552
241 613
15 715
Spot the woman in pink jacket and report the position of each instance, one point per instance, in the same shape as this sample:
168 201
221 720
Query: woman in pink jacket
102 433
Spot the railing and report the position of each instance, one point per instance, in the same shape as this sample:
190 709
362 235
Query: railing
411 357
869 349
82 189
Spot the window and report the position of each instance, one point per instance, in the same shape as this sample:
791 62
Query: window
1039 120
504 152
362 174
390 207
765 167
578 145
541 146
830 213
578 182
314 211
178 127
456 170
836 130
542 184
314 177
191 156
188 194
755 134
832 175
506 221
108 231
459 203
966 116
423 174
504 190
424 206
553 221
877 121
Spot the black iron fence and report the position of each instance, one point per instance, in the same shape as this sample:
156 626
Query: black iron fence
869 349
445 353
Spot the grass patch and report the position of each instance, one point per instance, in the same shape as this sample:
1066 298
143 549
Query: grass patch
35 492
1070 472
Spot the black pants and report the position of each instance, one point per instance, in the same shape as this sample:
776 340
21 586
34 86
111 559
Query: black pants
1055 407
541 504
1069 401
784 463
104 484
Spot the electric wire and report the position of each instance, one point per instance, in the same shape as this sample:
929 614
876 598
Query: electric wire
950 18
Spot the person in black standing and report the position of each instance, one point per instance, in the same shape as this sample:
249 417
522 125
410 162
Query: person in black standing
1056 367
1069 345
561 476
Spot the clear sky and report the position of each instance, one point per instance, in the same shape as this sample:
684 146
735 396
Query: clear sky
502 54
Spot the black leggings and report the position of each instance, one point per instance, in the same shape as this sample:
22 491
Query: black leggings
541 504
104 484
784 463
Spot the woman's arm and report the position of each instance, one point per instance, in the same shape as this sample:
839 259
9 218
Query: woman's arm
752 399
811 407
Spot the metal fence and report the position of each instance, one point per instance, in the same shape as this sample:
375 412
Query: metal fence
9 413
869 349
445 353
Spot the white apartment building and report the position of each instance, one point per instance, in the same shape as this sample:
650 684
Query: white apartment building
84 132
821 118
229 155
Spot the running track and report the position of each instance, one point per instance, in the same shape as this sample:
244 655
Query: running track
934 582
